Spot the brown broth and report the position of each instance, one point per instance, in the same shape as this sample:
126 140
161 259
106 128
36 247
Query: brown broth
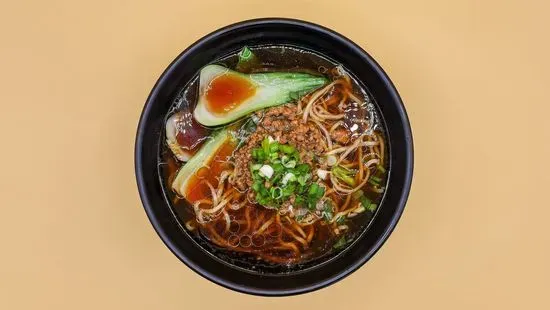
238 245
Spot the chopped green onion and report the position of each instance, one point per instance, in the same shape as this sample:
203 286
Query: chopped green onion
273 147
365 202
372 207
287 162
344 174
315 193
263 191
327 211
287 149
289 189
322 174
315 189
276 178
381 169
377 179
256 153
265 145
290 164
340 243
303 168
331 160
255 167
278 167
266 171
276 192
256 186
273 156
303 179
289 177
300 201
245 53
357 195
278 174
327 215
247 60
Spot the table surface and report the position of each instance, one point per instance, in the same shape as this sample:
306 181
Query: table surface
474 77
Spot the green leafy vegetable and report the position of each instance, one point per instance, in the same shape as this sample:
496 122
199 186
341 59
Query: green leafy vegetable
270 89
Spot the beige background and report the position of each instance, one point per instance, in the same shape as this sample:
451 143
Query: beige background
474 76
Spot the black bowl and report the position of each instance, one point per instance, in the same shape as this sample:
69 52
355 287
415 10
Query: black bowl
274 31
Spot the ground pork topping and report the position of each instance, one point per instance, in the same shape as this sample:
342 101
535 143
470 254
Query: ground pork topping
285 126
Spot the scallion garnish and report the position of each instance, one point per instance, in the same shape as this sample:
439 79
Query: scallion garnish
278 174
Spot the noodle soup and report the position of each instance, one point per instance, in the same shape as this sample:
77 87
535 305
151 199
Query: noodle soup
274 158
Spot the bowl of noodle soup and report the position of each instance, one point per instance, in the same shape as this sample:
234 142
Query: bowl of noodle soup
274 157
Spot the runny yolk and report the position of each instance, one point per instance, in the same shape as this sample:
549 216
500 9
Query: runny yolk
226 92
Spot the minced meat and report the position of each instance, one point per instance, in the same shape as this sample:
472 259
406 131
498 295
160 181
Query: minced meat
285 125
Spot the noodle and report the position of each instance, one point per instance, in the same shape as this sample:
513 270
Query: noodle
213 192
316 96
325 132
265 226
299 229
336 125
227 220
297 238
310 234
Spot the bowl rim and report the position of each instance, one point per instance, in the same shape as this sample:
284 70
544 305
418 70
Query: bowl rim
167 239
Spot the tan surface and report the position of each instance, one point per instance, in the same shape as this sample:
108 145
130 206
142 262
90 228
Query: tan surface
474 78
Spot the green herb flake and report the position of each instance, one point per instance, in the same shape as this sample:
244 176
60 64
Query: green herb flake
340 243
372 207
327 211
